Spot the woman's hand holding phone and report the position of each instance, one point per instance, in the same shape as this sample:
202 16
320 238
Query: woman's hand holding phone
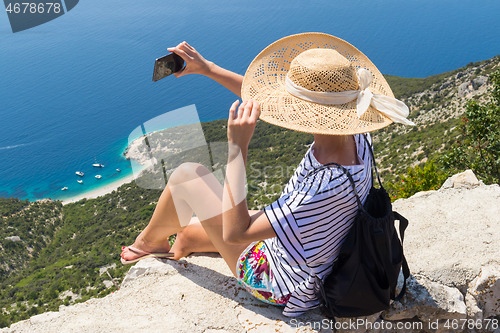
195 63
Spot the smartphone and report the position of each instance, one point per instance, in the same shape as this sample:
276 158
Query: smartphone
167 65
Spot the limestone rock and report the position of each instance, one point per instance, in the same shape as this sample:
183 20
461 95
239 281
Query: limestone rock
464 89
452 233
473 310
429 301
445 85
466 179
485 291
479 81
14 238
468 86
44 317
195 295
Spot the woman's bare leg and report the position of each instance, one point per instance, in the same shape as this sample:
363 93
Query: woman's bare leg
190 187
193 238
163 224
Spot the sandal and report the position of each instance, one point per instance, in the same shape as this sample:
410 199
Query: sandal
143 255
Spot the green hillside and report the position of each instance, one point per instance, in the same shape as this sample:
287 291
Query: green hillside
27 228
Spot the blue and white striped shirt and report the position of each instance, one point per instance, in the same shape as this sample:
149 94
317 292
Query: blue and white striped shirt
311 219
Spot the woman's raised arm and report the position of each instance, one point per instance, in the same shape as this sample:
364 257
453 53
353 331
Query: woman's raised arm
196 64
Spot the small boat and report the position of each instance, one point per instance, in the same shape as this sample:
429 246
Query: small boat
98 165
80 181
98 176
118 170
79 173
64 188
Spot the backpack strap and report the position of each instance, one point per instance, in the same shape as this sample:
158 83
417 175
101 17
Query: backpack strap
348 174
351 180
370 148
403 224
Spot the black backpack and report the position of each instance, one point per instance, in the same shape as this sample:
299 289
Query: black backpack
364 277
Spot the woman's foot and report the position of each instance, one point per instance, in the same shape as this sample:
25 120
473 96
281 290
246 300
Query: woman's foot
141 250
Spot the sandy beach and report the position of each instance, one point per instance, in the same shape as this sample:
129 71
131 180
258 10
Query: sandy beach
101 190
133 152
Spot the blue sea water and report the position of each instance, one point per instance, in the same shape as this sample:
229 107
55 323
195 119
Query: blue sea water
73 89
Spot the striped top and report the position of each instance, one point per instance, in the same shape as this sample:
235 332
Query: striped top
311 219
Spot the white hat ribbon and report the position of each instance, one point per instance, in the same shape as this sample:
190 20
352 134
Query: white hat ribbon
392 108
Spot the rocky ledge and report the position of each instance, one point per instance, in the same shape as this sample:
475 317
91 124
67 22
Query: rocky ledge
452 247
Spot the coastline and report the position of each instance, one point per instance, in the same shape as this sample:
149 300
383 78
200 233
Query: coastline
108 188
133 151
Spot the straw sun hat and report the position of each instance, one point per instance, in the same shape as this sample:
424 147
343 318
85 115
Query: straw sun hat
318 83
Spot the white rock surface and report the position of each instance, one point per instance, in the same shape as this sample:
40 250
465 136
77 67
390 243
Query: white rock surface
13 238
198 294
485 290
464 88
452 233
479 81
466 179
428 301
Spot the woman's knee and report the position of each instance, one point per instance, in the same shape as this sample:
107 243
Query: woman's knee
186 172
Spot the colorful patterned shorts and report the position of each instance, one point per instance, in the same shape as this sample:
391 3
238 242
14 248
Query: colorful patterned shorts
255 274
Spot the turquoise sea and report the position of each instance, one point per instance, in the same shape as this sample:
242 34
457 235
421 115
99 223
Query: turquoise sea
73 89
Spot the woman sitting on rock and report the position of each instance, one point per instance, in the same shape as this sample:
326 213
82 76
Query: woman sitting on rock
313 83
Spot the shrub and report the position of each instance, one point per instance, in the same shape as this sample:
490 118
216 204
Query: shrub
478 146
4 322
417 179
